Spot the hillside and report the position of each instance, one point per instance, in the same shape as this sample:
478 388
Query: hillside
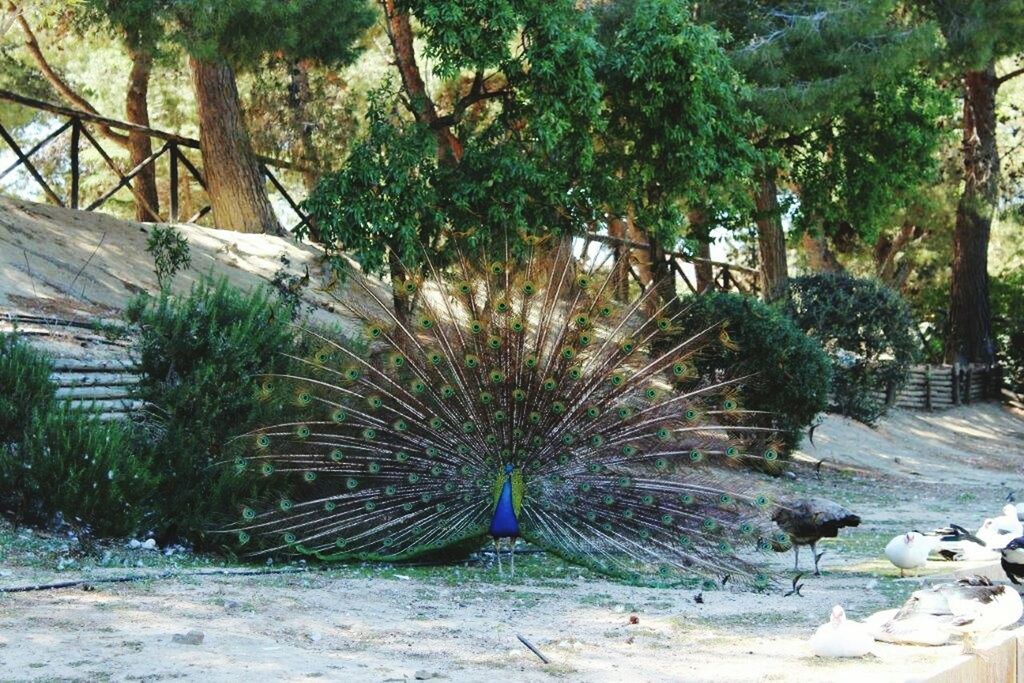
82 266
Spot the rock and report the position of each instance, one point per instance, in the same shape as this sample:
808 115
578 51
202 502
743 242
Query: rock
191 638
422 675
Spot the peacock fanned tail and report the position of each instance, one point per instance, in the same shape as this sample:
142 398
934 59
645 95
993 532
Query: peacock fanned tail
625 458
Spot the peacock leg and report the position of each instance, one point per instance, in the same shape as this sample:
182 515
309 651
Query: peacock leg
497 551
814 554
512 556
796 555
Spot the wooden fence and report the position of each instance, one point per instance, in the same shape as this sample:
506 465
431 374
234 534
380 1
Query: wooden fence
725 277
100 374
76 124
936 387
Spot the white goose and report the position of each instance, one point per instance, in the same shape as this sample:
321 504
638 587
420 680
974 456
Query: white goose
970 607
841 637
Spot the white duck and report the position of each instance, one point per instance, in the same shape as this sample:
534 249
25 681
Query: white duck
910 550
969 607
992 536
1009 522
841 637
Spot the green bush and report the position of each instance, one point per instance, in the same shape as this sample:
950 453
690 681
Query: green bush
867 331
26 387
791 371
201 358
1008 324
69 461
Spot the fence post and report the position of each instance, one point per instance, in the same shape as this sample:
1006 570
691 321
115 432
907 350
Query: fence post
954 383
928 387
174 182
969 382
76 133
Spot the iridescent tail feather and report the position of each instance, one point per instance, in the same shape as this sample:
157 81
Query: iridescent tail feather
631 463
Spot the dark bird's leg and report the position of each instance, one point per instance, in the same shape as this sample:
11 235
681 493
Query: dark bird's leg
817 557
497 552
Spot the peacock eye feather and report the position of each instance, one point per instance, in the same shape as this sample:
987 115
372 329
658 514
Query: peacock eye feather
472 361
302 432
494 343
447 391
262 441
486 397
266 469
550 384
530 361
248 514
476 327
417 386
351 374
517 325
696 456
285 505
336 454
243 538
304 398
529 288
583 282
593 412
575 372
339 415
374 402
627 346
401 456
771 455
568 353
425 323
309 477
518 395
584 340
369 434
596 441
625 412
497 376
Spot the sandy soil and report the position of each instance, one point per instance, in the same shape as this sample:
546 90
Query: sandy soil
460 623
86 266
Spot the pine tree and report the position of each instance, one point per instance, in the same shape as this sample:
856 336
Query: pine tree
977 34
808 63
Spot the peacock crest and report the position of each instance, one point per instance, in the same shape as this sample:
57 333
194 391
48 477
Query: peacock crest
519 394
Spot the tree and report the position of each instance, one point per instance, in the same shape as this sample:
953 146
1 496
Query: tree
977 34
223 36
808 63
500 148
675 148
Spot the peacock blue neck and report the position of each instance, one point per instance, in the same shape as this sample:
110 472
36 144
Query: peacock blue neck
503 522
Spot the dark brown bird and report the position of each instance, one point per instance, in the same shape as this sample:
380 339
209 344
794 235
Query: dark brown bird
809 520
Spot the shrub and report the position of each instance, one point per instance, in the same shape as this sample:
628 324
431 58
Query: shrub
170 253
792 372
69 461
1008 324
201 358
867 331
25 379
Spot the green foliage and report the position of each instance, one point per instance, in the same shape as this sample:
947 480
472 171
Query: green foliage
865 328
791 371
201 358
72 463
385 196
1007 291
860 170
25 378
170 253
242 31
676 129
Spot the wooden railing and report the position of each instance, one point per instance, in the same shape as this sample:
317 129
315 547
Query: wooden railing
936 387
725 277
76 124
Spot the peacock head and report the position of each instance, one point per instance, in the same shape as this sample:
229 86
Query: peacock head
509 468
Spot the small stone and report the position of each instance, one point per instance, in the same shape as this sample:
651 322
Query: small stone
191 638
422 675
314 637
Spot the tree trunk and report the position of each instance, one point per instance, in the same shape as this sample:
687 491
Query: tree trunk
234 182
970 317
136 108
404 304
819 256
620 262
771 240
298 102
700 231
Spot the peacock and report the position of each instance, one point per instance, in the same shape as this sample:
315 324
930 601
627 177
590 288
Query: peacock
517 398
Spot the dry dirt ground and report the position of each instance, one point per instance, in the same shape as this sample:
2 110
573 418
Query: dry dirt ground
360 623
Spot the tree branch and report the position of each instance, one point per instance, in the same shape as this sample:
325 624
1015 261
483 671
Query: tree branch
423 109
58 83
1007 76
